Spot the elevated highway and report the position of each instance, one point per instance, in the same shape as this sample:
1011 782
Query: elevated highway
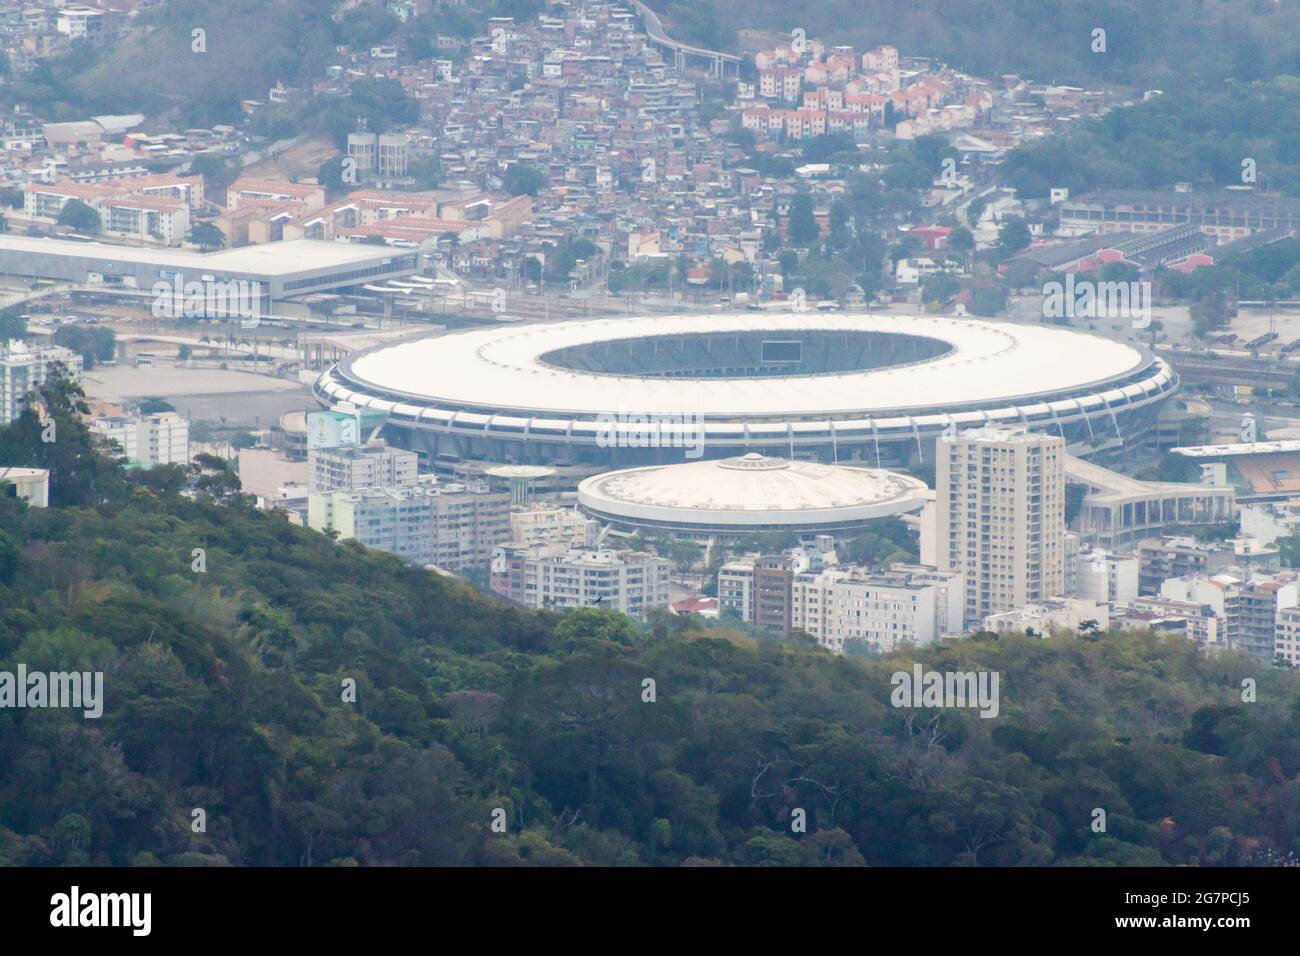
716 61
1220 368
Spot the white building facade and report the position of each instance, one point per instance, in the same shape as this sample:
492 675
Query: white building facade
24 367
1000 517
906 605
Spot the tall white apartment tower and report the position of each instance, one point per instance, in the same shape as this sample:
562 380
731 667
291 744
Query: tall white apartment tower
1000 501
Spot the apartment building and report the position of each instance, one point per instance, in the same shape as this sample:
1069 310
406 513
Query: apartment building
23 367
356 467
384 155
145 215
453 526
1249 604
1286 639
507 570
248 190
554 577
772 593
1198 622
1049 616
80 22
757 589
1261 602
160 439
469 521
1000 517
1105 577
905 605
736 590
1160 559
545 525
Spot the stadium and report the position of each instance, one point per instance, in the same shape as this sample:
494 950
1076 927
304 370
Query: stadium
734 497
873 389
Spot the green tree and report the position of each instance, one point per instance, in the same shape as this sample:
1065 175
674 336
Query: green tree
216 172
12 325
330 175
1022 273
802 228
1013 235
426 171
51 433
940 288
94 344
80 217
206 235
522 179
988 300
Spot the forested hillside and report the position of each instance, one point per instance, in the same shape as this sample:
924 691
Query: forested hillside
1202 139
224 692
193 61
1155 43
164 65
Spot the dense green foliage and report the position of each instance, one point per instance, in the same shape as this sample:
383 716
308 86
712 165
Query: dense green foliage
161 67
1267 272
1201 139
80 217
93 344
223 691
522 179
164 68
12 325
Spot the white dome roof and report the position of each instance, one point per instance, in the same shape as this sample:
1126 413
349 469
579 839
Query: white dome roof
752 490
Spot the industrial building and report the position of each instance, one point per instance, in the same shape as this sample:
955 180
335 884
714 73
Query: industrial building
1226 214
206 283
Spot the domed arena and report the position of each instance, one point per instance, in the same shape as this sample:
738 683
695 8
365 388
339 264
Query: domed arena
750 493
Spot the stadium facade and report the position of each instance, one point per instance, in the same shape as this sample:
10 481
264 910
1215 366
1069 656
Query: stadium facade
870 389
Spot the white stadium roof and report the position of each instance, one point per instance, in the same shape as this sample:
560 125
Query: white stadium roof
500 368
751 490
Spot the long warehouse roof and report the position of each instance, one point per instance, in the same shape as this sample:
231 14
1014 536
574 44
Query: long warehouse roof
269 259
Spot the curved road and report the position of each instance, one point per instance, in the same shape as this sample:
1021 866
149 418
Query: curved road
655 28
